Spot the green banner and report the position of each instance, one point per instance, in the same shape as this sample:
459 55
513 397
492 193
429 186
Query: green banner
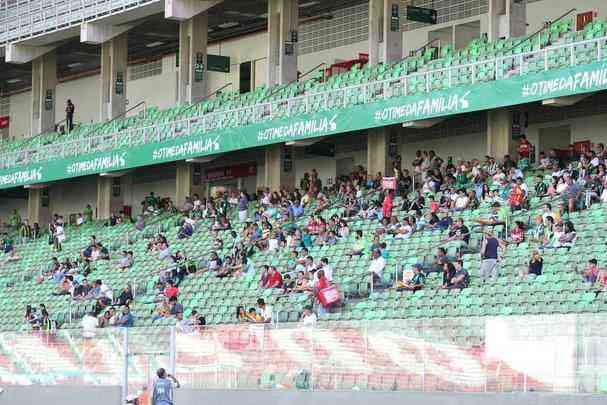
482 96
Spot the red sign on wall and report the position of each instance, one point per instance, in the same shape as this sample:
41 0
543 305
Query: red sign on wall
231 172
4 122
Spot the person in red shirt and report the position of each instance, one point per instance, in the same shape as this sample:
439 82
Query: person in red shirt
524 148
387 205
171 291
274 279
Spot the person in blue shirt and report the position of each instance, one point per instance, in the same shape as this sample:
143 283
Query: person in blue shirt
127 320
163 388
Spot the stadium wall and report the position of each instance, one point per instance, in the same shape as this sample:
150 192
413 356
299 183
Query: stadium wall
200 397
63 395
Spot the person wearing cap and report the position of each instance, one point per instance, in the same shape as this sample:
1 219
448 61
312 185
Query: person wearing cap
416 282
163 388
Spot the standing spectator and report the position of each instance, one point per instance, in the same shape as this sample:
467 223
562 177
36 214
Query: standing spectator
70 108
89 324
88 213
524 148
387 205
163 388
243 206
489 255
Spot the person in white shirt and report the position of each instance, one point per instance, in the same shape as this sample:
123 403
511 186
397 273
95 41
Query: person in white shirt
378 263
273 243
308 317
105 291
461 201
324 265
89 324
265 311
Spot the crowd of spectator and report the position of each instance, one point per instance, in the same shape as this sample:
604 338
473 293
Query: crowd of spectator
270 222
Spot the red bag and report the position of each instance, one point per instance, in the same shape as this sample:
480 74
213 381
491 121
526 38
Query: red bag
329 296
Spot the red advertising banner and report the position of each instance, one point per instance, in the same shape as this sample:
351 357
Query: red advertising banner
4 122
231 172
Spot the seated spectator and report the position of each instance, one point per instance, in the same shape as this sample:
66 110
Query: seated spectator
378 263
563 236
517 234
308 317
461 278
274 279
572 194
126 296
241 314
448 274
535 264
541 189
140 223
162 310
359 245
459 232
438 264
81 291
184 325
214 263
126 320
416 282
592 271
187 228
171 291
126 261
265 311
107 319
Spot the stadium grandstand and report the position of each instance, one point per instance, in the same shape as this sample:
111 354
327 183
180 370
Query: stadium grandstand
299 201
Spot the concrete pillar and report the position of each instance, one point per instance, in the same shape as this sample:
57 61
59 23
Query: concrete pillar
506 18
104 197
279 167
378 151
183 182
499 133
385 36
283 24
44 82
193 38
37 210
114 58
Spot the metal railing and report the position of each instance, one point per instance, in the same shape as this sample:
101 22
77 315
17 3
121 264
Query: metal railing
22 19
498 68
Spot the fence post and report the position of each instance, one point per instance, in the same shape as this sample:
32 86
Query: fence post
172 350
125 359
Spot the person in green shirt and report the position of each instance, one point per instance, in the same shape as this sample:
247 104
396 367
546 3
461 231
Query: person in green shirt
88 213
25 231
15 220
359 246
417 281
